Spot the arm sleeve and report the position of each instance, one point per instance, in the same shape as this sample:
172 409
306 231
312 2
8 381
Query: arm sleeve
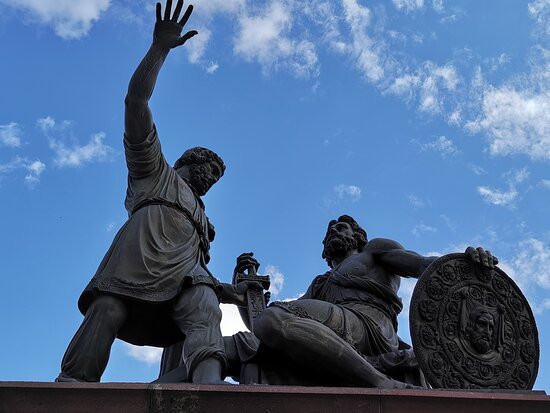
144 158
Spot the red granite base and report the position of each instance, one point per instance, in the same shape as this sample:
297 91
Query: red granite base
30 397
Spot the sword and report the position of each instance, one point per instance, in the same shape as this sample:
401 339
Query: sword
254 296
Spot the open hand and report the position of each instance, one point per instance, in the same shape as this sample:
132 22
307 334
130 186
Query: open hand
168 30
482 256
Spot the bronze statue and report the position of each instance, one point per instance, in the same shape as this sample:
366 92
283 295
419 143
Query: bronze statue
343 330
153 286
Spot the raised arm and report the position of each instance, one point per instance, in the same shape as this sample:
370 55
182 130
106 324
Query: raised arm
138 120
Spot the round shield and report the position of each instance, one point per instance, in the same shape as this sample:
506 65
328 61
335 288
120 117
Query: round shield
472 328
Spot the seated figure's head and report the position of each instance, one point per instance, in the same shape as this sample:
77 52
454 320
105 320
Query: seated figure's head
201 167
343 235
480 330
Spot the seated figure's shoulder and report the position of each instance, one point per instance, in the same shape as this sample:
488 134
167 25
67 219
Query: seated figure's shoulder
383 244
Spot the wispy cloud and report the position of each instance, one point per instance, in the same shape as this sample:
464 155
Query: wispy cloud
417 202
212 67
422 228
408 5
529 269
476 169
70 19
516 122
10 135
276 277
496 196
351 192
499 197
264 38
34 169
443 145
73 155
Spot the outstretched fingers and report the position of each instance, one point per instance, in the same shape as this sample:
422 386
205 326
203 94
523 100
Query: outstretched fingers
159 12
177 11
168 9
187 14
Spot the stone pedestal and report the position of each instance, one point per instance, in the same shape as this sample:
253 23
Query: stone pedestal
30 397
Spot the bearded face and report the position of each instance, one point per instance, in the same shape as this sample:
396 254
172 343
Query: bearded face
481 333
339 242
203 176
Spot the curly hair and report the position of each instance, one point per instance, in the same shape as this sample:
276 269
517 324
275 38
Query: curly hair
197 156
359 234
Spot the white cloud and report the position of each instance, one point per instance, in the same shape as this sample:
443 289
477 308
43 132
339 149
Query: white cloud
197 46
422 228
476 169
75 154
443 145
438 6
264 38
497 197
364 50
529 269
71 19
417 202
436 79
514 177
405 86
428 84
545 183
212 67
515 121
10 135
408 5
276 277
34 169
144 354
540 11
348 191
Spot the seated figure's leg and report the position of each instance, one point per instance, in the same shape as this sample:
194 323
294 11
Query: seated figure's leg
197 313
88 352
313 343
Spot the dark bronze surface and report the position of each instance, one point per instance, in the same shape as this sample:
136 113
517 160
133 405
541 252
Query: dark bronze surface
472 327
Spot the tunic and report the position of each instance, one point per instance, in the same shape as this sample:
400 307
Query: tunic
161 249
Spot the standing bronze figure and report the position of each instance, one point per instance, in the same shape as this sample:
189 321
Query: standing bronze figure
153 286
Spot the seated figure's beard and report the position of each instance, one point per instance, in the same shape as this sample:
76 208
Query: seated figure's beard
482 343
338 245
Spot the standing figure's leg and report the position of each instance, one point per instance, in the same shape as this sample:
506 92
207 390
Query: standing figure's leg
88 352
197 313
312 344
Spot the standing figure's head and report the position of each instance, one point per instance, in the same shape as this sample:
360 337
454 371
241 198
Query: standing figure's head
480 331
343 235
201 167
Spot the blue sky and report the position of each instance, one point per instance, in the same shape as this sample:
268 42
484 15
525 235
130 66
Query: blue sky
426 120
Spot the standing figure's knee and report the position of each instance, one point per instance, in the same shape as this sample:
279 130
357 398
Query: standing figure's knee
268 327
109 307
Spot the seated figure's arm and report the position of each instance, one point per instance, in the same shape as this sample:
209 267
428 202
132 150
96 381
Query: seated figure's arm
392 256
138 120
